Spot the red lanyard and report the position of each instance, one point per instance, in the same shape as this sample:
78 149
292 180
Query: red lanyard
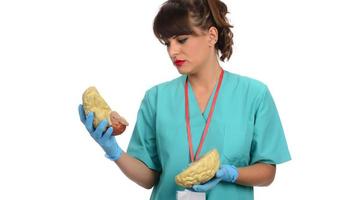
208 121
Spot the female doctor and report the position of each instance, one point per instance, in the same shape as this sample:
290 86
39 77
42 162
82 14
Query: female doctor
206 107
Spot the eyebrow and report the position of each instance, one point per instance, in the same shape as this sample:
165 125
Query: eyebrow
176 36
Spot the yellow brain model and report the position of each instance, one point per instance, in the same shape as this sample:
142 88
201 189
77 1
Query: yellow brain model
93 102
199 171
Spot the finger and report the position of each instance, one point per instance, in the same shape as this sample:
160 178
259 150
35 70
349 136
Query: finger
191 189
198 188
89 122
100 129
206 186
107 134
81 113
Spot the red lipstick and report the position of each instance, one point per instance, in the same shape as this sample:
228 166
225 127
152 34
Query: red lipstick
179 63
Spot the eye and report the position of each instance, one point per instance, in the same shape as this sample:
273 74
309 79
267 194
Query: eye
182 41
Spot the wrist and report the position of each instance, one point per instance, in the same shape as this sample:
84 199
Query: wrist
228 173
234 174
115 154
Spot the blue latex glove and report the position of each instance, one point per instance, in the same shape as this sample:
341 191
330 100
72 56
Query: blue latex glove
105 139
227 173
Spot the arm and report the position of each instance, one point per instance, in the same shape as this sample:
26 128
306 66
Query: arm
137 171
259 174
134 169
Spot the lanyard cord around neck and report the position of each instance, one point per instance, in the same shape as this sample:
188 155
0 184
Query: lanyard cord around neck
207 121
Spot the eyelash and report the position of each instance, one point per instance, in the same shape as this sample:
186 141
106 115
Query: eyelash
182 41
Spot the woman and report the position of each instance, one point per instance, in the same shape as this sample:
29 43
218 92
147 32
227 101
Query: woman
205 108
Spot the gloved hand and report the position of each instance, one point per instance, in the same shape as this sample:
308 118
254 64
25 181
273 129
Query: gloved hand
227 173
104 139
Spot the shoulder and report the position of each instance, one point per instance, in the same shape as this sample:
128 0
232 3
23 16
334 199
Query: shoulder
167 87
246 84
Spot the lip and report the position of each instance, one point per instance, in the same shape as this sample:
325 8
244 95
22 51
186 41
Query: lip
179 63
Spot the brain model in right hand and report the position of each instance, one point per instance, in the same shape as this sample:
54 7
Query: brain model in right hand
93 102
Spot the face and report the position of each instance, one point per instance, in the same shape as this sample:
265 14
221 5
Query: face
189 53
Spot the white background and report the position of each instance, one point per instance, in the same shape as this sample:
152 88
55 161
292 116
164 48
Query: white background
51 51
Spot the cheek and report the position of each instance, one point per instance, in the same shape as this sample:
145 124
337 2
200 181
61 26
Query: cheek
197 52
202 54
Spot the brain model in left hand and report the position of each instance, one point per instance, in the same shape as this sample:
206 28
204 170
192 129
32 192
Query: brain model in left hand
93 102
199 171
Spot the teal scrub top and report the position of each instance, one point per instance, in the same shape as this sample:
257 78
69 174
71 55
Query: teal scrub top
245 129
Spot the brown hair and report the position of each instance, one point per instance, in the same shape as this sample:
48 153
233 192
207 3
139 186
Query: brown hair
177 17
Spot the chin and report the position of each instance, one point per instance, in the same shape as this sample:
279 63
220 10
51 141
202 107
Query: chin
183 71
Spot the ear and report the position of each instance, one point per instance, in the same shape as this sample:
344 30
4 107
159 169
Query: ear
212 36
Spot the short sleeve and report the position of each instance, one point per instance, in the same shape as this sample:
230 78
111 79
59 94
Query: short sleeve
269 144
142 144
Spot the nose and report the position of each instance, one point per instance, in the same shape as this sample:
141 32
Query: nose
173 49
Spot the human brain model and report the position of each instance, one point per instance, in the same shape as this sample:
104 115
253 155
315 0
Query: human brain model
199 171
93 102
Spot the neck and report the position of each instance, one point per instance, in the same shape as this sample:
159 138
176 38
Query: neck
205 78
